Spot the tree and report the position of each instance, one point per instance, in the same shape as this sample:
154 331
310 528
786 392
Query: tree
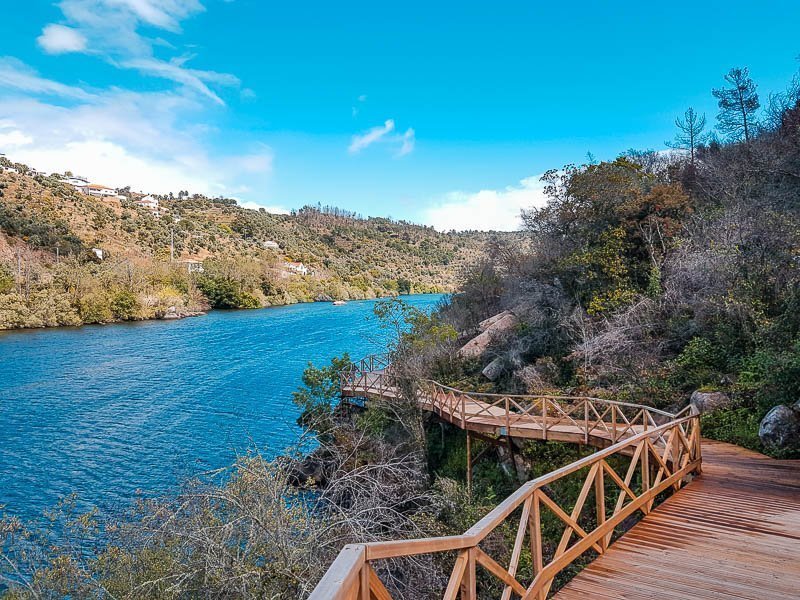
737 104
690 132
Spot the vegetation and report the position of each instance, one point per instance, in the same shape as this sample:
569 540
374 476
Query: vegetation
648 277
51 237
652 276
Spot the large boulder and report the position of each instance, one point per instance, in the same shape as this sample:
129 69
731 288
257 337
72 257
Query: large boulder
494 369
490 329
780 428
704 402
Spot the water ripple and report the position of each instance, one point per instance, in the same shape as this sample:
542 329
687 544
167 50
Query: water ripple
104 411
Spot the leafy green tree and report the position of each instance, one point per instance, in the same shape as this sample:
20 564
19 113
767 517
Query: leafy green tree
6 280
319 392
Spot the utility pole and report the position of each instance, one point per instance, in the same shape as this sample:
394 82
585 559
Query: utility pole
172 244
57 254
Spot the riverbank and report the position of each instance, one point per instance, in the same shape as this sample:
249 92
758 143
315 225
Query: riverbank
173 313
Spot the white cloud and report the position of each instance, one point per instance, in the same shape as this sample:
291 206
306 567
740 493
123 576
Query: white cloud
17 76
409 140
382 133
364 140
486 210
109 29
13 139
274 209
58 39
123 138
175 71
153 141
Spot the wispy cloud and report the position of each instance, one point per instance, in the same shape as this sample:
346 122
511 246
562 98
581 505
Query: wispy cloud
109 29
382 133
409 140
155 141
58 39
193 79
15 75
486 210
364 140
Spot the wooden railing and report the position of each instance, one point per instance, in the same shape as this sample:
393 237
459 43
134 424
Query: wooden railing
575 418
660 457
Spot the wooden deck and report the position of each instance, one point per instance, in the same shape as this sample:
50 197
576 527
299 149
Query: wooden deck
729 529
733 533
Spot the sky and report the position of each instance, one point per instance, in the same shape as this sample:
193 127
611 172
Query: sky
440 113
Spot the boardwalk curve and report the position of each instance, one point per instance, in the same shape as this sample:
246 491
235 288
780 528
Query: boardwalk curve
662 452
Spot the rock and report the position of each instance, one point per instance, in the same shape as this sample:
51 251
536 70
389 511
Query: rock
486 323
707 401
780 428
496 325
323 298
494 369
312 468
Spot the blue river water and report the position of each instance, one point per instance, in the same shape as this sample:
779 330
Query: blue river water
109 412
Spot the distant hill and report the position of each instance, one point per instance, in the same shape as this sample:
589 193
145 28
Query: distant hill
70 258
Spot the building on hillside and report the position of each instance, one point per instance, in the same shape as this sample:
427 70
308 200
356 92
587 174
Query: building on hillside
98 253
150 203
75 181
270 245
193 266
98 191
298 268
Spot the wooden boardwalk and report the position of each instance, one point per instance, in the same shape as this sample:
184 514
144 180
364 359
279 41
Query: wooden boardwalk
733 532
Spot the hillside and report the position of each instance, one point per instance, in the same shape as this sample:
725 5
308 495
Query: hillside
68 258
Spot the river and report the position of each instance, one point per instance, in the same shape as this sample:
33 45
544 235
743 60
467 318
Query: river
109 412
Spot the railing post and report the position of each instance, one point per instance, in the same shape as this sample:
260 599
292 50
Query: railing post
463 411
698 446
645 457
363 588
614 423
585 420
508 417
600 502
469 589
544 418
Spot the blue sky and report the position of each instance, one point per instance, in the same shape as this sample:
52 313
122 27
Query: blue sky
437 112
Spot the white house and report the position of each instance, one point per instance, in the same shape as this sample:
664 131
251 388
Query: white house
76 181
270 245
193 266
98 191
297 268
148 202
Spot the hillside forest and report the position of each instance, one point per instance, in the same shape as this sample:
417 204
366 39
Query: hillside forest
67 258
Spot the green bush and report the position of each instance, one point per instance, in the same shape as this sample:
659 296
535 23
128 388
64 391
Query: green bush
95 308
124 305
735 425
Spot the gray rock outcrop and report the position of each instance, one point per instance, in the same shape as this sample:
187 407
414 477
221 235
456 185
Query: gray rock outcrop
707 401
780 428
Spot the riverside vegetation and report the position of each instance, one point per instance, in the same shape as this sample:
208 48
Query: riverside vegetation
648 277
50 275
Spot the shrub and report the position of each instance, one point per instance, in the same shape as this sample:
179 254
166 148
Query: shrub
124 305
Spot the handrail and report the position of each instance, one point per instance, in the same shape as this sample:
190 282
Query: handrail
661 458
